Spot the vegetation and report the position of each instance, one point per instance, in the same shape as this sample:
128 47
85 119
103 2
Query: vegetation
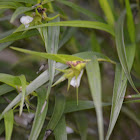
94 45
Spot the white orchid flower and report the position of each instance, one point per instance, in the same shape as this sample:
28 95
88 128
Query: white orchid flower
76 82
26 20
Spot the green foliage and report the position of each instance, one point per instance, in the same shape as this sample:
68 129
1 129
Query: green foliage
72 42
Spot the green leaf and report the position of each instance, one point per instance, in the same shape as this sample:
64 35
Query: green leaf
60 130
122 74
39 117
5 45
82 125
9 121
23 85
124 58
9 5
71 106
118 97
19 11
93 73
10 80
56 57
66 36
107 11
130 22
5 89
78 23
82 10
19 35
25 1
44 77
131 115
57 113
2 128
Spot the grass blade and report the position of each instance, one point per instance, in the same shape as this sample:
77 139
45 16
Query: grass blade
19 11
9 121
57 113
5 89
39 117
124 58
107 11
93 73
82 127
44 77
121 76
81 10
18 36
118 97
78 23
60 130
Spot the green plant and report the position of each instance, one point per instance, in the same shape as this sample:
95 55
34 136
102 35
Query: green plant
42 19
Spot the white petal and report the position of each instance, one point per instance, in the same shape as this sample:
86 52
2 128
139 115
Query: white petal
69 130
76 82
26 20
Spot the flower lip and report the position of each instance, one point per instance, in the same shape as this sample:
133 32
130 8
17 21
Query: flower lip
26 20
76 82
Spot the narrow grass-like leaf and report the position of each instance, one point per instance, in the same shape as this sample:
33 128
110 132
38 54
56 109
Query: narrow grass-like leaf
5 89
2 128
57 113
78 23
122 51
25 1
131 115
60 130
10 80
66 36
9 5
56 57
9 121
93 73
71 106
39 117
130 22
44 77
19 35
121 76
118 97
23 85
52 47
82 10
82 125
5 45
19 11
107 11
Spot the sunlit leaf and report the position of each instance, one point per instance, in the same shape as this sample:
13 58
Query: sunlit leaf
79 23
93 73
107 11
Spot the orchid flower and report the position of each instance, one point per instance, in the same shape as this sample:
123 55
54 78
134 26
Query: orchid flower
26 20
73 74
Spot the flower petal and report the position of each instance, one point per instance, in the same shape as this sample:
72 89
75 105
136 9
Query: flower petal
76 82
26 20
